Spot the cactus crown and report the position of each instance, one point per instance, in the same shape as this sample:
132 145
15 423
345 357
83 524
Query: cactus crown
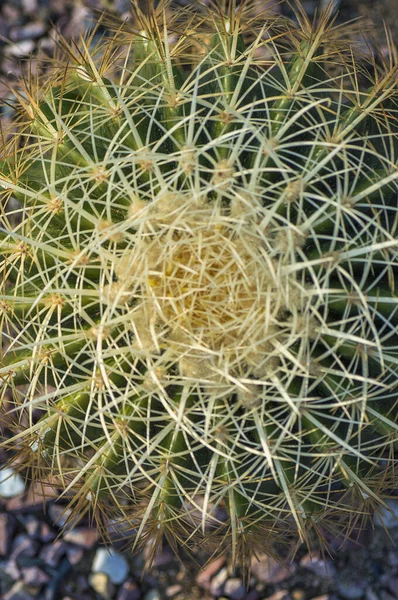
198 281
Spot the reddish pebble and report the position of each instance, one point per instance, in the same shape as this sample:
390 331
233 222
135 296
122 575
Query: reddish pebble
204 577
34 576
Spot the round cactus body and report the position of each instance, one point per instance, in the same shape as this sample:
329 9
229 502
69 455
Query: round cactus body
198 280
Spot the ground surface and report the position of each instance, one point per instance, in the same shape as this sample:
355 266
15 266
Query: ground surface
39 560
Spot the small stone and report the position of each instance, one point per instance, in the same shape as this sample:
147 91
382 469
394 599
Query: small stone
393 586
112 563
101 583
82 536
11 483
28 32
158 557
7 527
32 526
387 518
266 570
204 577
152 595
386 596
20 49
34 576
52 553
12 570
29 6
217 583
173 590
129 591
318 566
35 498
18 592
46 534
74 554
24 546
235 589
297 595
58 514
352 590
279 595
252 595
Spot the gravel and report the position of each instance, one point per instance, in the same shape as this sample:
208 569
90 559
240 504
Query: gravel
40 561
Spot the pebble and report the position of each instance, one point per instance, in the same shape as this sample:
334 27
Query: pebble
386 596
7 527
129 591
112 563
11 483
74 554
101 583
29 6
235 589
31 31
58 514
217 583
387 518
318 566
18 592
34 576
82 536
252 595
12 570
351 591
20 49
52 553
204 577
278 595
34 499
24 546
46 533
173 590
393 586
267 570
32 526
152 595
39 530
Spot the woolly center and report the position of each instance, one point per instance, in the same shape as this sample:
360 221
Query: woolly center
207 295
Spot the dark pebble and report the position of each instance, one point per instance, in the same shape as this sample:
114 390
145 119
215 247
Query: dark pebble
58 514
52 553
34 576
74 554
34 499
28 32
32 526
18 592
82 536
24 546
7 527
12 570
129 591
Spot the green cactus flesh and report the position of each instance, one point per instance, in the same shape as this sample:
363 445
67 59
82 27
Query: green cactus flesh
198 293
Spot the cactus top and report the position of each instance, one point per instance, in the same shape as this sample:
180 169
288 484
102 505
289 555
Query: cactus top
198 280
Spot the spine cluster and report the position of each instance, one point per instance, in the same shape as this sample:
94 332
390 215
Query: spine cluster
197 294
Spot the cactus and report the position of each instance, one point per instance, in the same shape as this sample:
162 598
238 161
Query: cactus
198 300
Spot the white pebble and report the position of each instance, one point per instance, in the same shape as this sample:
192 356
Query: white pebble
11 483
112 563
